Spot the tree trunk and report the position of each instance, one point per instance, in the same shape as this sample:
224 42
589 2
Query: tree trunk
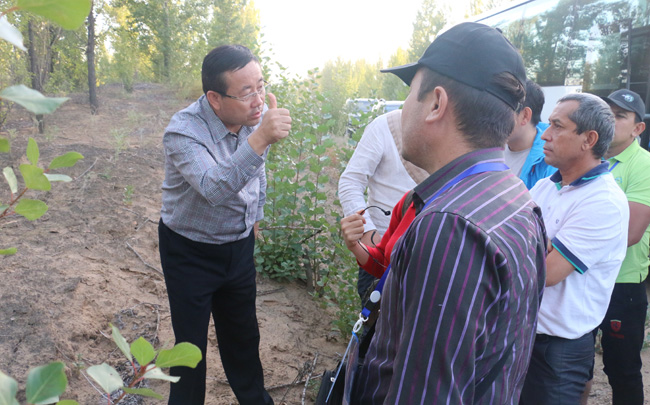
166 42
33 59
90 57
35 71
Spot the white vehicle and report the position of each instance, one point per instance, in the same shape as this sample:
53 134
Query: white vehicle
391 105
592 46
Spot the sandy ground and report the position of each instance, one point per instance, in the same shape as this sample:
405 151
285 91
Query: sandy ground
93 260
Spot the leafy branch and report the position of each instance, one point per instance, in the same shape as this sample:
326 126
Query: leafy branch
45 384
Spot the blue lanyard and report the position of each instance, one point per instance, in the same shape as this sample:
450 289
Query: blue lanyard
476 169
613 166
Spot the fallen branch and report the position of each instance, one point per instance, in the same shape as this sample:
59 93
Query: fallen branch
274 290
301 373
141 259
311 371
86 171
275 387
147 219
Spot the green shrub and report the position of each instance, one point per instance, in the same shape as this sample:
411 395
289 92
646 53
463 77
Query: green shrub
301 236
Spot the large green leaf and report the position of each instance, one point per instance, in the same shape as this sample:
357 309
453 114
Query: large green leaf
157 374
32 151
121 342
143 351
69 14
183 354
8 389
31 209
145 392
11 34
106 376
67 402
46 383
8 252
31 99
34 177
5 146
9 174
67 160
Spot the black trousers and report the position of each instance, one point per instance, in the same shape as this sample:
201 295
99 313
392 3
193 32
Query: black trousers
204 279
622 340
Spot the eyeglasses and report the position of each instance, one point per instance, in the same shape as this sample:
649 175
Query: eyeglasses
248 97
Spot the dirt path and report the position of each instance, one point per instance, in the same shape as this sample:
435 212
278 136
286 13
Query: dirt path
77 269
93 260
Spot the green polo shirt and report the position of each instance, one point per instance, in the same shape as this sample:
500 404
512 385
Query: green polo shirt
631 170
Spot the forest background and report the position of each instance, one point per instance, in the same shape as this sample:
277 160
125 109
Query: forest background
159 46
135 41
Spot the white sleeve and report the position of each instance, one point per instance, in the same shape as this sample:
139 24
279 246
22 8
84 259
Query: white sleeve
362 165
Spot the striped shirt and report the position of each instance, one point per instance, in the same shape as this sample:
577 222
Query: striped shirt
215 184
463 292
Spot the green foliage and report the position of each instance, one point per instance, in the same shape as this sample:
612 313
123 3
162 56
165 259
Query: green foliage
32 100
69 14
8 389
34 178
183 354
46 383
67 160
5 147
44 386
128 195
147 364
120 141
431 18
300 234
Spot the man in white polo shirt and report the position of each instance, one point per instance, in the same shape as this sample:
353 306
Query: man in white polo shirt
586 216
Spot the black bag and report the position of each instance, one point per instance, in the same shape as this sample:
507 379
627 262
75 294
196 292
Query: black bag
326 382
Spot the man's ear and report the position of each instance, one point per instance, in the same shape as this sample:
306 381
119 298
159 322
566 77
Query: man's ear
525 115
214 99
438 104
639 128
590 139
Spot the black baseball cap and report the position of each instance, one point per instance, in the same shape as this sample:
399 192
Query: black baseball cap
627 100
472 54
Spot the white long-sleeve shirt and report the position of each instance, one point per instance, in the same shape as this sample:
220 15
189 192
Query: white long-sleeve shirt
376 166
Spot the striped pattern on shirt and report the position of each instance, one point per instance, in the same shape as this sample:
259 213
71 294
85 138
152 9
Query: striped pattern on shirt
465 285
215 184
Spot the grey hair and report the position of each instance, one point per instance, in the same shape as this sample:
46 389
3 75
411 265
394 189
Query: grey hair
593 113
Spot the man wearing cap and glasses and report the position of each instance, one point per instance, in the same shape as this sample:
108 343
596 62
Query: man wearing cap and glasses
586 217
213 198
623 329
460 303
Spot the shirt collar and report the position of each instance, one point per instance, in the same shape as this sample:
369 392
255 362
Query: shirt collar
627 153
437 180
592 174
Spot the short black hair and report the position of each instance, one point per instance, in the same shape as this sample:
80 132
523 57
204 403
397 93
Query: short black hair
484 120
226 58
534 100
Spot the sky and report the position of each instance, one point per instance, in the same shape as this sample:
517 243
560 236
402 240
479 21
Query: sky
304 34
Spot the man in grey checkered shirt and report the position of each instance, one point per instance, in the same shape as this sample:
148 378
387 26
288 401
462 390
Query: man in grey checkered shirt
213 198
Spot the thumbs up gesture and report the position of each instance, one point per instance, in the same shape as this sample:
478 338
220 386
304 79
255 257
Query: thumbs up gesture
275 125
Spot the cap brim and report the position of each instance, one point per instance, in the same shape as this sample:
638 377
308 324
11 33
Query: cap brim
404 72
622 105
